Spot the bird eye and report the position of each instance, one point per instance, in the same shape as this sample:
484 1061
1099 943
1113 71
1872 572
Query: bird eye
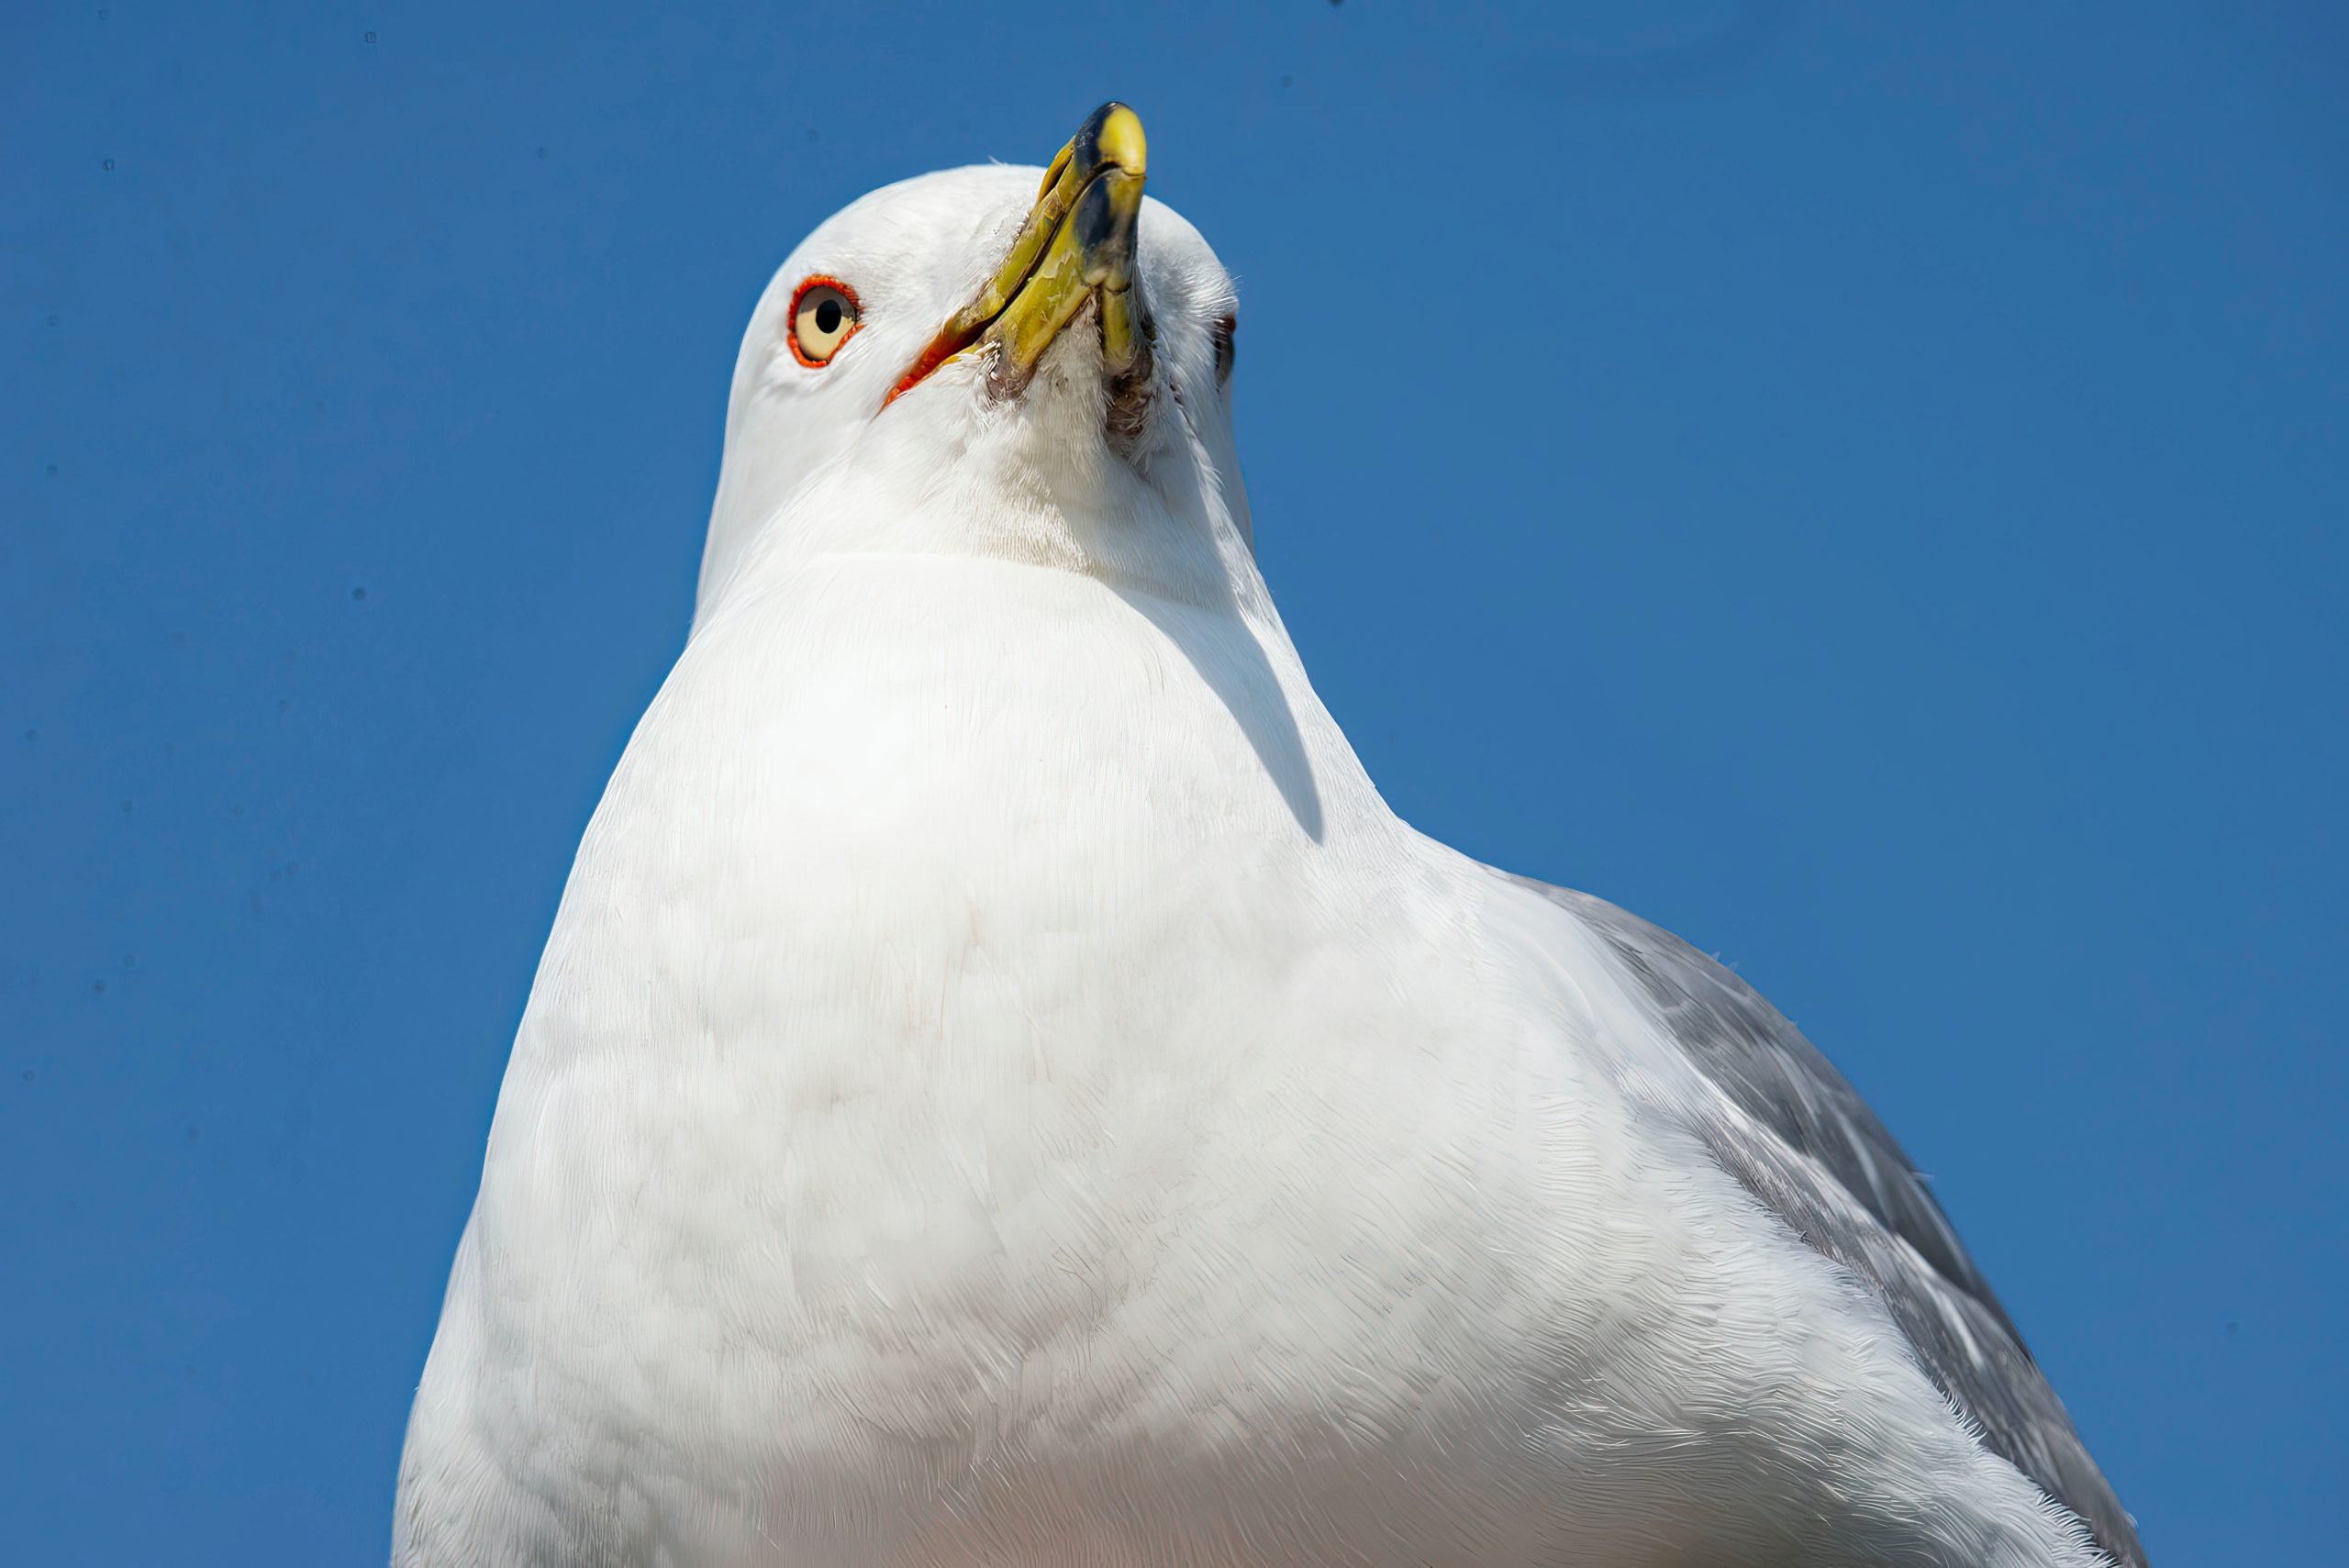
823 316
1226 350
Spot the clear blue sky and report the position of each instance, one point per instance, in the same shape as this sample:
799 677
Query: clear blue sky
1862 486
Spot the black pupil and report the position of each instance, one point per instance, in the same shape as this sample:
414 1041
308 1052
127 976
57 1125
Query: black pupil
827 318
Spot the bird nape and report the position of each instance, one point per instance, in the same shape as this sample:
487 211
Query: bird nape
1002 1090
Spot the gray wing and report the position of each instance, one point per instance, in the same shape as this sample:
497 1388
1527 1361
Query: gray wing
1829 1168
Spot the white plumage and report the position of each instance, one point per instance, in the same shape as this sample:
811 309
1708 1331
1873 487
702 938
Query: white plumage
1003 1091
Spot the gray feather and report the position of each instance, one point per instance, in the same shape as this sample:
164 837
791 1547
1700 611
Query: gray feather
1798 1137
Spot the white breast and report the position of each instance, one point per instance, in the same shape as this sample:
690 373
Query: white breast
910 1159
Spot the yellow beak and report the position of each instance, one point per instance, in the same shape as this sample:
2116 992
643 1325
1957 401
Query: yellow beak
1077 244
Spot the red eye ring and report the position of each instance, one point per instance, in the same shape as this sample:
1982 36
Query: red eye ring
791 319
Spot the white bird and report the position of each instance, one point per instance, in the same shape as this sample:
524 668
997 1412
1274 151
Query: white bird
1003 1091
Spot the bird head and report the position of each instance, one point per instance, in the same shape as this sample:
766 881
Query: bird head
992 360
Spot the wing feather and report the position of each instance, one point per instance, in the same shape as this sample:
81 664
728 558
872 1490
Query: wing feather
1796 1134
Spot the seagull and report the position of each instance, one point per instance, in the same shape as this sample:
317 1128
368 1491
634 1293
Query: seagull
1003 1090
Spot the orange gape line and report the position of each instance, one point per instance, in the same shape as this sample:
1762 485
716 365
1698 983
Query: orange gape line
942 348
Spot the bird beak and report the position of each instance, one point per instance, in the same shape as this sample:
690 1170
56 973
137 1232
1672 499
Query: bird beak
1077 244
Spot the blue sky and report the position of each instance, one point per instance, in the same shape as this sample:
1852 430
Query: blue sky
1864 486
